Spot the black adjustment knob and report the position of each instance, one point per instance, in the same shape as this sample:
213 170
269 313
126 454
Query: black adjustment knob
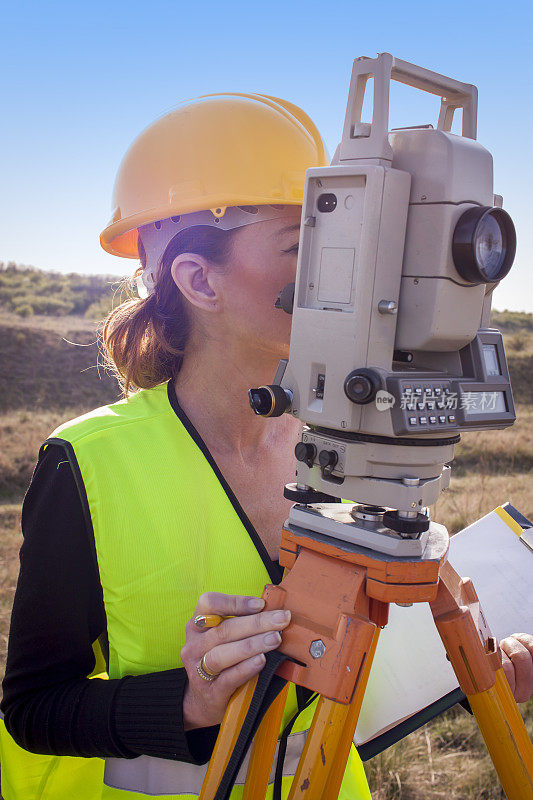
408 527
361 386
305 452
269 401
327 460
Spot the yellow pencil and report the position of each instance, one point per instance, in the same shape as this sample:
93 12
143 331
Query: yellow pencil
208 620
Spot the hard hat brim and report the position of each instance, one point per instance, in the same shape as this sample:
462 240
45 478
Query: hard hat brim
120 238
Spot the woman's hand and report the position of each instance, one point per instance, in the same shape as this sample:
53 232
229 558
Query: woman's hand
234 651
517 654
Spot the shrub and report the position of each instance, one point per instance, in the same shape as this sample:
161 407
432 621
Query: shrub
518 342
510 321
56 306
54 293
99 310
25 310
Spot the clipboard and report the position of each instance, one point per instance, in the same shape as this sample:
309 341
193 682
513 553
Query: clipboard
411 680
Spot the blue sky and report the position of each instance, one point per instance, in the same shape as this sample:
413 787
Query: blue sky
80 81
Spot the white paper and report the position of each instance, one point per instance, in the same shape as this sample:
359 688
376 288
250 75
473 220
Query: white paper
410 669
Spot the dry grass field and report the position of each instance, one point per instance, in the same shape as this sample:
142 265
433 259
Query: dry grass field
42 380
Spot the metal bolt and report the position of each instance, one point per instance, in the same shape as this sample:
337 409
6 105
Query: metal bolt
317 648
387 307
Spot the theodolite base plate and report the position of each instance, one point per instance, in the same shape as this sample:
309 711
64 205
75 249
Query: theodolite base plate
335 520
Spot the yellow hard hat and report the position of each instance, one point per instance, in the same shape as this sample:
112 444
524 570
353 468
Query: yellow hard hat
216 151
207 154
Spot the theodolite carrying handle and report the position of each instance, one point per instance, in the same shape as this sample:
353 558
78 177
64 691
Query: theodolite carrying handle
371 141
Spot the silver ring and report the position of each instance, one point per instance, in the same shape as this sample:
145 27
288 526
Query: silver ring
204 672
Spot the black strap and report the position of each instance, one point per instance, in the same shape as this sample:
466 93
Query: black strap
302 697
269 685
311 696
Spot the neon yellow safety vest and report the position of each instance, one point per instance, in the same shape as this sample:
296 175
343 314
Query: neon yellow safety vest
167 528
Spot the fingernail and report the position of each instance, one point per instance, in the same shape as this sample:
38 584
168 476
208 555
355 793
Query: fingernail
259 660
256 604
281 616
272 638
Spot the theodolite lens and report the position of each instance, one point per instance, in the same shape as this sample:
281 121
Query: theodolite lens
490 247
484 245
326 202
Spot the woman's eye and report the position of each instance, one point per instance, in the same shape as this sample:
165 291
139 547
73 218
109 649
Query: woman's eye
293 249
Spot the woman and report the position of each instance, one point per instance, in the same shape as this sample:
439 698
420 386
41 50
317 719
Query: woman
148 514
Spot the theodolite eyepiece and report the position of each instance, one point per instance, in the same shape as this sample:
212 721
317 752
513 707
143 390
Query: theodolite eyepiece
270 401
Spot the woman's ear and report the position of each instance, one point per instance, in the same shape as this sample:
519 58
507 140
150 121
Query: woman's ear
196 280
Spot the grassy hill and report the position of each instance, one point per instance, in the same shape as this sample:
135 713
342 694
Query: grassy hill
27 291
44 369
49 373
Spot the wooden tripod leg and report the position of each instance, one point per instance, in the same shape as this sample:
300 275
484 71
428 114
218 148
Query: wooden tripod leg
264 748
476 660
336 773
319 751
229 731
506 738
513 715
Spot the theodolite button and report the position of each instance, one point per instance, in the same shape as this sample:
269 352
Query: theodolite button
305 452
328 458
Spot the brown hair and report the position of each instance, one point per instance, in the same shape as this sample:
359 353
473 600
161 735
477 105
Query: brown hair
144 339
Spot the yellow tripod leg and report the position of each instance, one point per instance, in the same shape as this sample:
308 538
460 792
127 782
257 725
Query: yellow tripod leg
264 748
506 738
336 773
320 749
229 731
514 716
476 660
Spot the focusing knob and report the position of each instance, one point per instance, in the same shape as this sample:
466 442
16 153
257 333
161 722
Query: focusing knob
269 401
305 452
361 386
